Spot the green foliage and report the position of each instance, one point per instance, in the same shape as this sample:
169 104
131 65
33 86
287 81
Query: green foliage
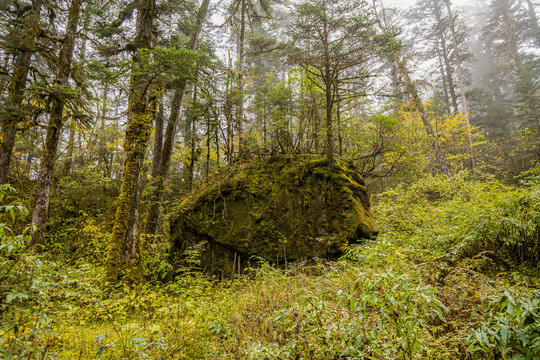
171 63
509 230
498 223
80 215
413 293
154 259
530 177
513 332
384 145
351 322
24 320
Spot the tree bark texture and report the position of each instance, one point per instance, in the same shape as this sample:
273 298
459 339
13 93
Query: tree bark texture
102 149
443 74
16 89
123 258
54 127
329 94
191 129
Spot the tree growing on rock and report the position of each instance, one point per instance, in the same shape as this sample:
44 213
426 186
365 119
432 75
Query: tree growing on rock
338 43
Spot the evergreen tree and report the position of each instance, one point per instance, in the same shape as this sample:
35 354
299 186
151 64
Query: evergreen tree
337 42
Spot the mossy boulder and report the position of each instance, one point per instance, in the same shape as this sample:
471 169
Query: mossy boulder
282 209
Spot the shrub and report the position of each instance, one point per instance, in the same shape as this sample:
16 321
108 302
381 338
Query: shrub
453 218
513 332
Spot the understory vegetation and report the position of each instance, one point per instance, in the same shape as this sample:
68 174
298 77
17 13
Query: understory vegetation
453 274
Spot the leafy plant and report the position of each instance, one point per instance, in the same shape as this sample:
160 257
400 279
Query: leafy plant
24 321
513 332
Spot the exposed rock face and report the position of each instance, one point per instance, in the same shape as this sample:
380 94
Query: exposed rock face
281 210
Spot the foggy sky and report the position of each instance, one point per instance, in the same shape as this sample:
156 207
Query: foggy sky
408 3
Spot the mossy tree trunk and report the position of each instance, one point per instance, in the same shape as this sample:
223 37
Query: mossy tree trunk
54 127
16 88
158 179
123 258
190 140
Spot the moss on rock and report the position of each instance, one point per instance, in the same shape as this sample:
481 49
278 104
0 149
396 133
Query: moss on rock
282 210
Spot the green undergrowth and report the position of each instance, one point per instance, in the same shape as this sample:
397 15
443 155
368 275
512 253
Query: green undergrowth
453 219
444 280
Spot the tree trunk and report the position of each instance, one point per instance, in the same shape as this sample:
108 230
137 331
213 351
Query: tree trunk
445 56
208 138
329 95
54 127
16 90
102 149
316 127
158 180
443 74
124 248
240 85
461 83
423 115
329 124
158 139
70 148
227 110
73 126
190 140
340 133
216 137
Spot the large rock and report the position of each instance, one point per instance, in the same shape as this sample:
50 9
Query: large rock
281 210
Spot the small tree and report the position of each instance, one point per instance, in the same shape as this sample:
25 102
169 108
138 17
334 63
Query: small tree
337 42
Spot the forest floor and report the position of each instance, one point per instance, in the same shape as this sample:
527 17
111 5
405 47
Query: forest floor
441 281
